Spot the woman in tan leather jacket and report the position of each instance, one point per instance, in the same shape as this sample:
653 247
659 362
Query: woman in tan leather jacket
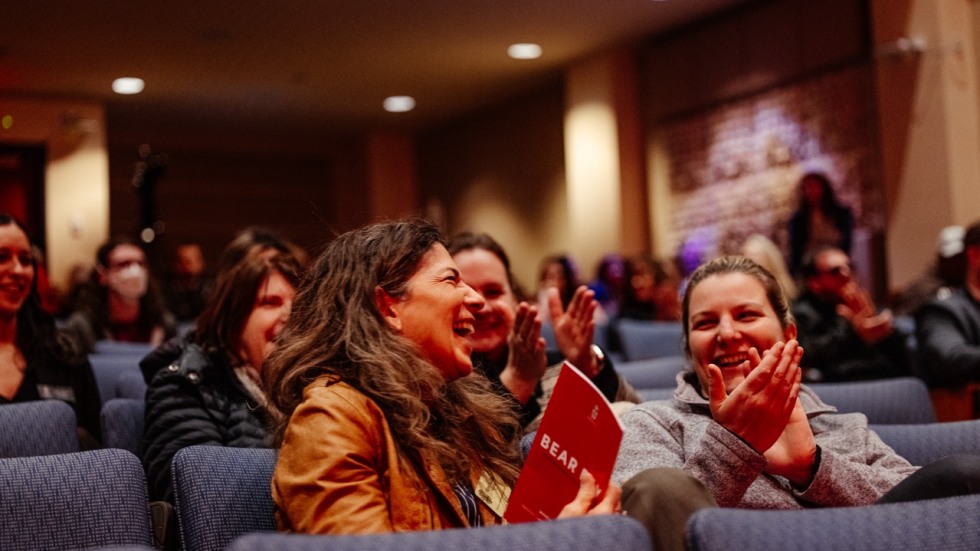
384 427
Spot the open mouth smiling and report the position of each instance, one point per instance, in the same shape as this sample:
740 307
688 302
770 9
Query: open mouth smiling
463 328
730 360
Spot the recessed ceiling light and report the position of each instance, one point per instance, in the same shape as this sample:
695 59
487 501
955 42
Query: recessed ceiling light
127 85
399 104
524 51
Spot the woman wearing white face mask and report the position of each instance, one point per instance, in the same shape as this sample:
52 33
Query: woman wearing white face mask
121 303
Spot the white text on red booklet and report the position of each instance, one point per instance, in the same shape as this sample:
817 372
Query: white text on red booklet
578 430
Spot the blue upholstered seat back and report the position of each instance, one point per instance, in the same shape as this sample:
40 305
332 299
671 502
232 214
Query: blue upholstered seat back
642 340
122 424
924 443
73 501
221 493
901 400
950 523
42 427
577 534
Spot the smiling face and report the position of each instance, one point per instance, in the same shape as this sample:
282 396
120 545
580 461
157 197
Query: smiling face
485 273
273 301
437 313
16 270
729 314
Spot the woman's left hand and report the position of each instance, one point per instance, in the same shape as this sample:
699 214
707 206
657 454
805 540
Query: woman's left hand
584 501
794 453
575 328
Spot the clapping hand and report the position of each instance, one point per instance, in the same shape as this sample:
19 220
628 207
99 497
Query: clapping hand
758 409
575 327
526 359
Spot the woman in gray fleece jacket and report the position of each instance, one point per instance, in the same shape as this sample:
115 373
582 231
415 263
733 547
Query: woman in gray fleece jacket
743 432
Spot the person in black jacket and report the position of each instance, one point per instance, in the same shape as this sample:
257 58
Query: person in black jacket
845 337
206 389
38 362
948 328
507 343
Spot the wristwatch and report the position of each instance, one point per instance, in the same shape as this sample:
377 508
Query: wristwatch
600 358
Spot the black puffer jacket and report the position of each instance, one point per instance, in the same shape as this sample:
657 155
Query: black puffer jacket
193 398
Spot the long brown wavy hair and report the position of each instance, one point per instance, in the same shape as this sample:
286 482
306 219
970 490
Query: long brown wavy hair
336 328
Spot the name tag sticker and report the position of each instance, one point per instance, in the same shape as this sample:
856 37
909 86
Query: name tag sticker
493 492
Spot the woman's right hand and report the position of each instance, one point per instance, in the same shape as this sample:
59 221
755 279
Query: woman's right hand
759 408
584 501
526 358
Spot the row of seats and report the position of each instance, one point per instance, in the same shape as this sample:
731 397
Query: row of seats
97 499
116 369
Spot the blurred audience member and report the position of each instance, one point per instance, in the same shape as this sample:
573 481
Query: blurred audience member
608 283
187 289
946 273
557 272
650 290
51 298
78 278
121 302
820 220
506 338
761 250
948 328
206 388
36 361
840 327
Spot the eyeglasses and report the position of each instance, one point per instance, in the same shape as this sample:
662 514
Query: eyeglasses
838 271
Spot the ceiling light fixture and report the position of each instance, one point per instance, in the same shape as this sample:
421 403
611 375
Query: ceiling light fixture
127 85
399 104
524 51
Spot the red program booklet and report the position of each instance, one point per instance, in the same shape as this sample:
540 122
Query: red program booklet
578 430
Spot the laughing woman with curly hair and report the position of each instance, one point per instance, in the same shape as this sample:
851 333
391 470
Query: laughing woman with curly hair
384 427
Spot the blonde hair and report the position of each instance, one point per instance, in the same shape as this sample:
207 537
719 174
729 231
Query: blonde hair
761 250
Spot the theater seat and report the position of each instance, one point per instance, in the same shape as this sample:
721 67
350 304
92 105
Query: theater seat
924 443
122 424
81 500
577 534
901 400
642 340
950 523
42 427
221 493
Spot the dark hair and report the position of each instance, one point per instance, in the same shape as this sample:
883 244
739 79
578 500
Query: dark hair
808 268
828 201
972 236
246 263
631 306
38 337
257 236
568 273
335 329
466 241
736 265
